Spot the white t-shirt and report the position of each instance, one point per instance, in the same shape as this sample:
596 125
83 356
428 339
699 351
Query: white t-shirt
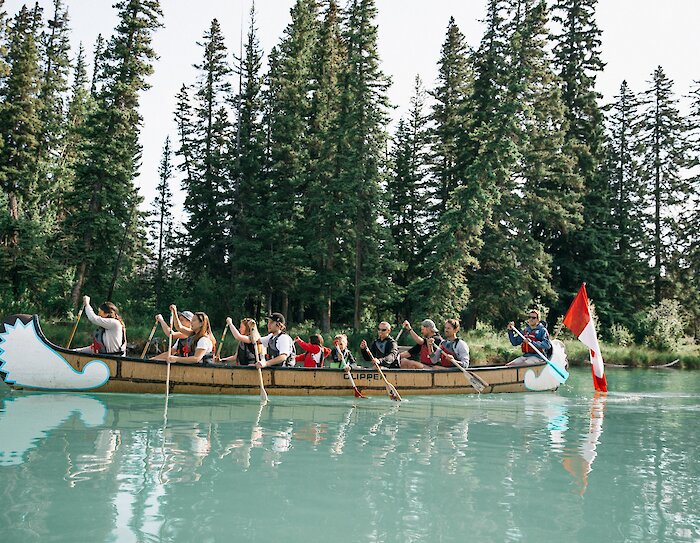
204 343
285 344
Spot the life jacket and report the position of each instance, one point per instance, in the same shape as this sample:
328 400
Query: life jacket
448 347
246 354
532 336
425 355
186 348
273 351
312 360
98 342
337 361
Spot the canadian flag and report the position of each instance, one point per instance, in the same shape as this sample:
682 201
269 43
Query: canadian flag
578 320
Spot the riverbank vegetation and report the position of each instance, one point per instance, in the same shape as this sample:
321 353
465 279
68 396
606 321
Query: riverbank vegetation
506 185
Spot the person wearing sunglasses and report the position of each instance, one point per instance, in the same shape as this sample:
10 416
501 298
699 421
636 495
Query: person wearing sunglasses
384 349
537 333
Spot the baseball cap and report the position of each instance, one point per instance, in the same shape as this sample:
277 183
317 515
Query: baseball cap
429 324
276 317
187 314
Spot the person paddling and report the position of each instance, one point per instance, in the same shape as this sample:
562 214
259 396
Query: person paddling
537 335
185 319
315 353
341 355
110 336
279 345
424 347
246 337
452 349
199 345
384 349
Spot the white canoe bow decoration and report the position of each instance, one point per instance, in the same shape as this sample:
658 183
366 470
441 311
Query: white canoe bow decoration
29 362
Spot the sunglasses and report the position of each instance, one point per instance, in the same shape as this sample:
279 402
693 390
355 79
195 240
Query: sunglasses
383 329
532 317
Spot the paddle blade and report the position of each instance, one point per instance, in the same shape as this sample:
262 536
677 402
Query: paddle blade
263 395
393 393
358 393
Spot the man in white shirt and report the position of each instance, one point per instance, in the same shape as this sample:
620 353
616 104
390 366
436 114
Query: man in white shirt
279 345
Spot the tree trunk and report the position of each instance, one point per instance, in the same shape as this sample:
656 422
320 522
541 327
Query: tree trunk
285 304
358 277
78 285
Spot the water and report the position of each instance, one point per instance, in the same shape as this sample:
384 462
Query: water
520 467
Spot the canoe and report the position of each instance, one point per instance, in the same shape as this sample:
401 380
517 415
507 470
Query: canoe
29 361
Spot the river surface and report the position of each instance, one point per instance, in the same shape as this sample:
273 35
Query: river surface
569 466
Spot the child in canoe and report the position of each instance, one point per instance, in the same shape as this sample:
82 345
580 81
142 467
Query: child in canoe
314 352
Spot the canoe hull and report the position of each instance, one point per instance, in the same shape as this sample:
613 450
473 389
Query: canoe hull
130 375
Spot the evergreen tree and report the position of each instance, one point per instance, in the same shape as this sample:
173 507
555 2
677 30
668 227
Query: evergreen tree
583 255
628 197
666 154
98 60
4 67
251 187
409 190
361 150
105 222
162 226
208 154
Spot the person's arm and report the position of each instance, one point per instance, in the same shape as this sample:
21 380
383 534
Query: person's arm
364 347
96 319
308 347
349 358
163 325
543 344
283 344
462 352
194 359
515 339
393 355
419 340
176 318
239 337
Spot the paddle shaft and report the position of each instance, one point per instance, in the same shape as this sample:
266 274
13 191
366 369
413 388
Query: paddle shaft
258 358
221 343
170 348
75 327
391 389
543 357
346 367
150 337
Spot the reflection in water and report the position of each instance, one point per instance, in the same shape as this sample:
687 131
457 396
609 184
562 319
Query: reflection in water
579 463
426 469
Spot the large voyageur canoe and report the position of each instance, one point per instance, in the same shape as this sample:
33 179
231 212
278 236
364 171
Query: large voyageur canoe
29 361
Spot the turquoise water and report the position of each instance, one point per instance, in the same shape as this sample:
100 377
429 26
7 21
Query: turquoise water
510 467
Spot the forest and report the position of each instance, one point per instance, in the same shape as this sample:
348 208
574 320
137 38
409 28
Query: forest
506 185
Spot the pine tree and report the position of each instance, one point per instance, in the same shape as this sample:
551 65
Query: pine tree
290 87
583 255
105 219
409 191
628 197
361 150
251 188
665 155
4 67
162 226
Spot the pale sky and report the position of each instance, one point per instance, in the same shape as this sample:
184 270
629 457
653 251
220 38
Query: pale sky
638 35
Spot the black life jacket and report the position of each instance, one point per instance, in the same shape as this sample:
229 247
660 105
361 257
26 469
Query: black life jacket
273 351
246 354
98 342
186 347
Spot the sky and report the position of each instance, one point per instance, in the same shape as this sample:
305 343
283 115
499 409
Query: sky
638 36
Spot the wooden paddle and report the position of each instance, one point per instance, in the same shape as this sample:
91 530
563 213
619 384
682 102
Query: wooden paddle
477 382
390 389
170 348
150 337
221 343
258 358
562 374
75 327
346 367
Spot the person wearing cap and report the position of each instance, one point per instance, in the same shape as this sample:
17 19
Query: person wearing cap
424 347
537 335
384 350
279 345
184 319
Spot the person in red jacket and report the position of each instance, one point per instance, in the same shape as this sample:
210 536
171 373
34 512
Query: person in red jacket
314 352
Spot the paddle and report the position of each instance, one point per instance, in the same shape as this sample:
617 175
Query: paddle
75 327
346 367
170 348
477 382
390 389
562 374
221 343
258 358
150 337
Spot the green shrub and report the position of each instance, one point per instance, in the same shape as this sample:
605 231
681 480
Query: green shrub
621 335
664 325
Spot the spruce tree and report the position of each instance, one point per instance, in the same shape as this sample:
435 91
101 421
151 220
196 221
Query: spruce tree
583 255
666 153
105 221
162 226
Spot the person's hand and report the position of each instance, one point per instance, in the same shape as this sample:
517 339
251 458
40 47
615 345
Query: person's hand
171 358
511 324
229 321
450 358
173 308
297 339
86 301
375 361
260 364
160 318
431 341
363 344
406 325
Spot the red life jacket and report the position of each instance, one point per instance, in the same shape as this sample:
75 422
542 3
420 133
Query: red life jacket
445 350
525 346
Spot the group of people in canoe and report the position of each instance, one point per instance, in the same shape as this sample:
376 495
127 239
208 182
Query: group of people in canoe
193 342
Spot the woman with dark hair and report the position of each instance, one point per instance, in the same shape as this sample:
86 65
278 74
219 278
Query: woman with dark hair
110 336
247 337
200 340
